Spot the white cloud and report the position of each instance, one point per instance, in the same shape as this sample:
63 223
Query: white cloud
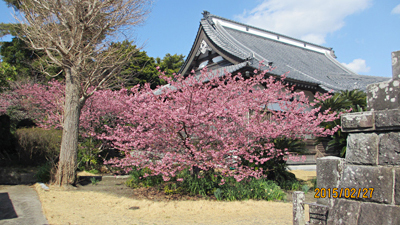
396 10
309 20
358 66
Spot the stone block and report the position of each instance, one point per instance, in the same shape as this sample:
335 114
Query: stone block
388 119
28 178
329 173
383 95
362 148
318 213
377 214
298 208
378 178
9 177
359 121
344 212
397 186
389 148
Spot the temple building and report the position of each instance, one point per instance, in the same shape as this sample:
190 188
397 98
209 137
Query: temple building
225 45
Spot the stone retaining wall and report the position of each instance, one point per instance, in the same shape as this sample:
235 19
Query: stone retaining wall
371 168
14 176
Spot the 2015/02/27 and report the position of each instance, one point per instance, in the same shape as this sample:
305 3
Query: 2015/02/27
343 192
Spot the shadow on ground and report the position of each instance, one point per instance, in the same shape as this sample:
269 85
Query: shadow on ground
7 210
85 180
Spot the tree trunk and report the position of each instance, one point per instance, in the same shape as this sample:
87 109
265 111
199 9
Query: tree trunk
66 171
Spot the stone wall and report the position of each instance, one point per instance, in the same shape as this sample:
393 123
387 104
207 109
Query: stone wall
371 169
14 176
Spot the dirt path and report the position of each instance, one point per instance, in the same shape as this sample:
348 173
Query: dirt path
113 205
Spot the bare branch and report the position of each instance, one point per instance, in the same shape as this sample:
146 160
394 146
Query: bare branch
76 34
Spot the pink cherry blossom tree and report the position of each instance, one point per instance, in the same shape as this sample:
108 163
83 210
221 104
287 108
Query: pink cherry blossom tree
203 122
206 122
43 103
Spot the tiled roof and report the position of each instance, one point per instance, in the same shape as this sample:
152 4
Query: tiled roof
306 62
228 69
218 72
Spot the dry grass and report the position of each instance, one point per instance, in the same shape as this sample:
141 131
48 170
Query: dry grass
63 206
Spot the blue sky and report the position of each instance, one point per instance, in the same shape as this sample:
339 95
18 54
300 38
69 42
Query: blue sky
362 33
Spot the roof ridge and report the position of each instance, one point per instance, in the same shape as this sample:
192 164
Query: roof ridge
307 62
222 38
339 64
209 15
236 42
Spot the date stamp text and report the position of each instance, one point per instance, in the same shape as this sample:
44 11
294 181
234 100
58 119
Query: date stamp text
343 192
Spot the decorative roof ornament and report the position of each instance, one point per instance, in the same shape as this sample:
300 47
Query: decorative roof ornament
203 48
333 54
251 56
206 16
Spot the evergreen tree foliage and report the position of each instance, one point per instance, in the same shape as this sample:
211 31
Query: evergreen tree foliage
28 63
142 68
10 28
170 64
7 73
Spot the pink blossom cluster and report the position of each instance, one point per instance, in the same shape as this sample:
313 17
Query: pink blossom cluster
211 123
44 103
206 121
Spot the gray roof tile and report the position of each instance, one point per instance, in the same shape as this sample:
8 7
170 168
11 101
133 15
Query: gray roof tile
304 64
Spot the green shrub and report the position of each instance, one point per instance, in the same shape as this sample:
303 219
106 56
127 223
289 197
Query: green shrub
293 185
44 172
204 183
250 189
88 154
314 183
276 168
94 180
94 171
207 183
173 188
93 152
138 179
340 102
37 146
217 194
305 188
